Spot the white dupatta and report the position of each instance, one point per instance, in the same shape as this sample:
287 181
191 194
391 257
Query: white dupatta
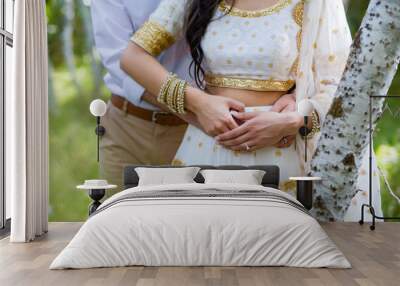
326 41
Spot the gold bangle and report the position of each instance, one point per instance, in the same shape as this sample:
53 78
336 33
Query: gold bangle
316 127
164 88
175 94
172 94
181 98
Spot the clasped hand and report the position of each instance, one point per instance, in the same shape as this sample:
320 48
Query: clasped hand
248 131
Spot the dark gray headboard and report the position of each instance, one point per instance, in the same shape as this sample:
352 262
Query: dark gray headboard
271 178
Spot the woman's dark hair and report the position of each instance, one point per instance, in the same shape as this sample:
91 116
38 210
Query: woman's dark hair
199 15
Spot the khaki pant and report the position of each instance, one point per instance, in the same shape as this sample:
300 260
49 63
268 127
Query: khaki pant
129 140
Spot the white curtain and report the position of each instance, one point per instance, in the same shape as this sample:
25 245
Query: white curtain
27 124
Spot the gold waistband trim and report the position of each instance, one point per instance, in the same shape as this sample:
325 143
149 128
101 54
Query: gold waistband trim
248 84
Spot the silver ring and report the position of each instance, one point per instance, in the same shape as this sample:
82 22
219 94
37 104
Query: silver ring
247 147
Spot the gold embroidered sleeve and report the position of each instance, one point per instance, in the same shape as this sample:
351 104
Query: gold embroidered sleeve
153 38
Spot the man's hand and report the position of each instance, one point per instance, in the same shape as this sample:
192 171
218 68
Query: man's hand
260 129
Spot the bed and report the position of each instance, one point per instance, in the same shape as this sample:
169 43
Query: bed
198 224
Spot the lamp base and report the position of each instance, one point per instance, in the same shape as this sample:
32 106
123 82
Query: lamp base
96 195
305 193
305 186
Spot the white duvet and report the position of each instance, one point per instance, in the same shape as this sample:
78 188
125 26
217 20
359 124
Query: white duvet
200 231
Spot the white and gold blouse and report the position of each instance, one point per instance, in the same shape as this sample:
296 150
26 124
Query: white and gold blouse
252 50
302 42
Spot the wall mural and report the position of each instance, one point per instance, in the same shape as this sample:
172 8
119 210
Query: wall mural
76 78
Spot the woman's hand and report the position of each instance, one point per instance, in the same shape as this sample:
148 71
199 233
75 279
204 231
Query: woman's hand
286 103
286 141
213 112
260 129
189 117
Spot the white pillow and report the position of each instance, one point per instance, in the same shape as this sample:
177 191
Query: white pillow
166 176
247 177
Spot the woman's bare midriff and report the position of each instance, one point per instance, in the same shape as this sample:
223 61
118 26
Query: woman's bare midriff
247 97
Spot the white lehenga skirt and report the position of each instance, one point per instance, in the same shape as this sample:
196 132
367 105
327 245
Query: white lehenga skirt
197 148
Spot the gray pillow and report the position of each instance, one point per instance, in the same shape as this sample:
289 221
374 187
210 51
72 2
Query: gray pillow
166 176
246 177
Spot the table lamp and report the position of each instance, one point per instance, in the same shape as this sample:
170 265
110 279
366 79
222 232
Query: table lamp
98 108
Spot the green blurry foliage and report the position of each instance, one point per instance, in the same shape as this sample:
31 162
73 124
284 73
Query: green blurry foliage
56 24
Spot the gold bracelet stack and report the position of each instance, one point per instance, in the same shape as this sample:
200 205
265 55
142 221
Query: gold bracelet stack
172 93
316 127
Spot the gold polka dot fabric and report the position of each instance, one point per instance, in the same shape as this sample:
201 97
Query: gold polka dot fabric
267 41
325 46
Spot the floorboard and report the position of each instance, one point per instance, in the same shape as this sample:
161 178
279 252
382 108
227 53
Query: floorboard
375 257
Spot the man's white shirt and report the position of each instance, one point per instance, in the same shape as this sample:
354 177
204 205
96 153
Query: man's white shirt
114 22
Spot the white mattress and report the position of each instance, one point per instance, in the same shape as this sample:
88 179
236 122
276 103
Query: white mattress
205 231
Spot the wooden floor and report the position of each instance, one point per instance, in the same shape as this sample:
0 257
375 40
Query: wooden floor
375 257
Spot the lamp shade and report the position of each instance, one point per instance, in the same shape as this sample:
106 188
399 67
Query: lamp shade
305 107
98 107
